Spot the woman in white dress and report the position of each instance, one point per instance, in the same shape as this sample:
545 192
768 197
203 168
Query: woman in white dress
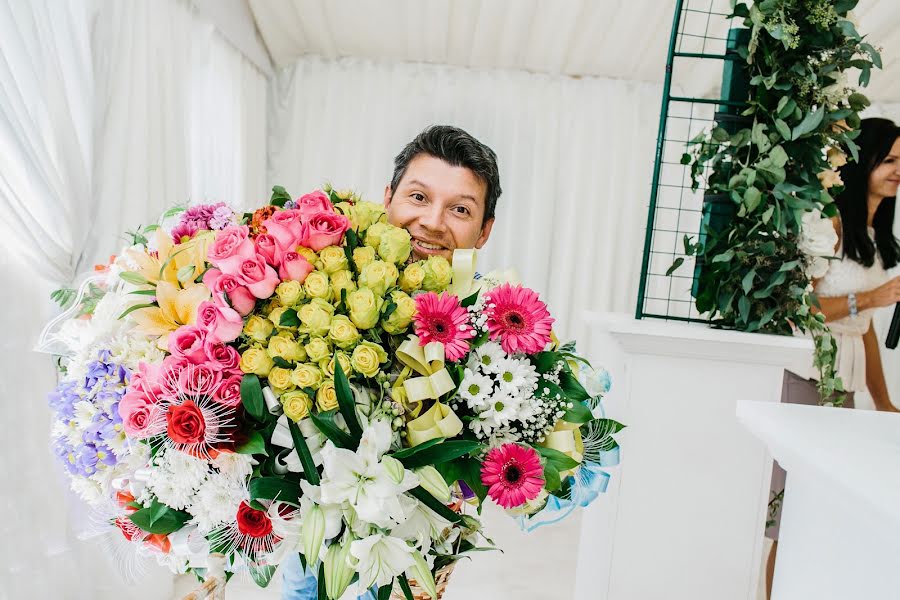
856 284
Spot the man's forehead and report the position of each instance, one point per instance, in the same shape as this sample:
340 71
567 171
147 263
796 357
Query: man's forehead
437 175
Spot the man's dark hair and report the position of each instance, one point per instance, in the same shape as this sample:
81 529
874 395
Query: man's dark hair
458 148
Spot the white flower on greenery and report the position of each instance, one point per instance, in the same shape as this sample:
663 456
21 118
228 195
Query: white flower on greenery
381 558
486 358
817 241
516 375
217 502
502 408
423 525
475 389
361 479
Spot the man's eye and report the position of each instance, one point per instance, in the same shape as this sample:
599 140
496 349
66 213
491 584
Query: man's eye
462 210
418 197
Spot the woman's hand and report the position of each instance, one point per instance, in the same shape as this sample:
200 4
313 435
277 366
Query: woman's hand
887 294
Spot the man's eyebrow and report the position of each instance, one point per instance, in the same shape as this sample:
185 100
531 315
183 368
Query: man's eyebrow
418 183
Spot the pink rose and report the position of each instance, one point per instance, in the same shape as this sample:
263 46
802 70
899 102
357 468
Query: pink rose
141 416
199 380
228 290
231 247
260 278
146 381
267 247
229 392
294 266
187 342
287 227
326 229
221 323
172 367
223 357
312 203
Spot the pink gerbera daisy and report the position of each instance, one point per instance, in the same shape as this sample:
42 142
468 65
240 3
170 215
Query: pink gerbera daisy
443 319
513 475
516 315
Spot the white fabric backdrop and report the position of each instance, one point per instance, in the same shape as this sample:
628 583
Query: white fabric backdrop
109 112
575 160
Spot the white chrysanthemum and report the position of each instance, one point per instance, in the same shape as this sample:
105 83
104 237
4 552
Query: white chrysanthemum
475 389
516 375
238 467
89 490
217 502
486 358
501 408
84 414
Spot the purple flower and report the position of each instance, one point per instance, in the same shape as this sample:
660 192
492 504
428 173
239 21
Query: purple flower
222 217
202 217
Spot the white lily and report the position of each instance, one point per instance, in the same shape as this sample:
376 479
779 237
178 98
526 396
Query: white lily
361 479
423 525
381 558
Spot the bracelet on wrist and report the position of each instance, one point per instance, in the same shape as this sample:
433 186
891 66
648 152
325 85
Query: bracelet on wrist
851 304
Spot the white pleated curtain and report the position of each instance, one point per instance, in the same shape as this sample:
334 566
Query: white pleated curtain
575 155
110 111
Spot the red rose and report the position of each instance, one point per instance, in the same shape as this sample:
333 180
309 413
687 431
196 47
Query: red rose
252 522
186 424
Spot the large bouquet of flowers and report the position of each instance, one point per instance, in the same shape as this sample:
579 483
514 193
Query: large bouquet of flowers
248 386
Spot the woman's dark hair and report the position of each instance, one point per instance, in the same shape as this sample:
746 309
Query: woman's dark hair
458 148
875 140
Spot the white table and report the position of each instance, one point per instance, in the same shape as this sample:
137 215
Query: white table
840 527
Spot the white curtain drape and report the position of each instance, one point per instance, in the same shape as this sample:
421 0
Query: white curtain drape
575 155
110 111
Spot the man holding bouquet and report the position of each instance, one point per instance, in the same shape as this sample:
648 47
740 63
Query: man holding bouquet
444 192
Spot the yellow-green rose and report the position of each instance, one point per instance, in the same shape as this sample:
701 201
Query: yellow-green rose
257 328
362 256
342 280
328 367
315 317
285 346
343 332
326 396
280 378
275 317
437 274
364 307
367 358
289 292
365 214
412 277
317 285
308 253
378 276
394 246
317 349
296 405
399 320
331 259
307 376
374 233
255 360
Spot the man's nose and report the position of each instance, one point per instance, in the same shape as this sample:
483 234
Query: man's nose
432 218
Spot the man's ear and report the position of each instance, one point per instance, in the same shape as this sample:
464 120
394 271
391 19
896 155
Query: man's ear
388 192
485 233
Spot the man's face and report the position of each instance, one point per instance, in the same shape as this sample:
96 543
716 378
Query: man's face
441 206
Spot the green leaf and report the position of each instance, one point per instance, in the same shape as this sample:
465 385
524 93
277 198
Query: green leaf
551 477
561 461
778 156
579 413
809 123
440 453
324 422
262 574
252 396
724 256
747 281
752 198
133 308
173 211
289 318
302 448
415 449
434 504
346 403
275 488
384 592
678 262
686 159
255 444
789 107
323 595
133 278
280 196
143 292
571 386
404 585
783 130
280 362
159 518
469 300
744 308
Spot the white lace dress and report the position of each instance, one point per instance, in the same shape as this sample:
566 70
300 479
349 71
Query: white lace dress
847 276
